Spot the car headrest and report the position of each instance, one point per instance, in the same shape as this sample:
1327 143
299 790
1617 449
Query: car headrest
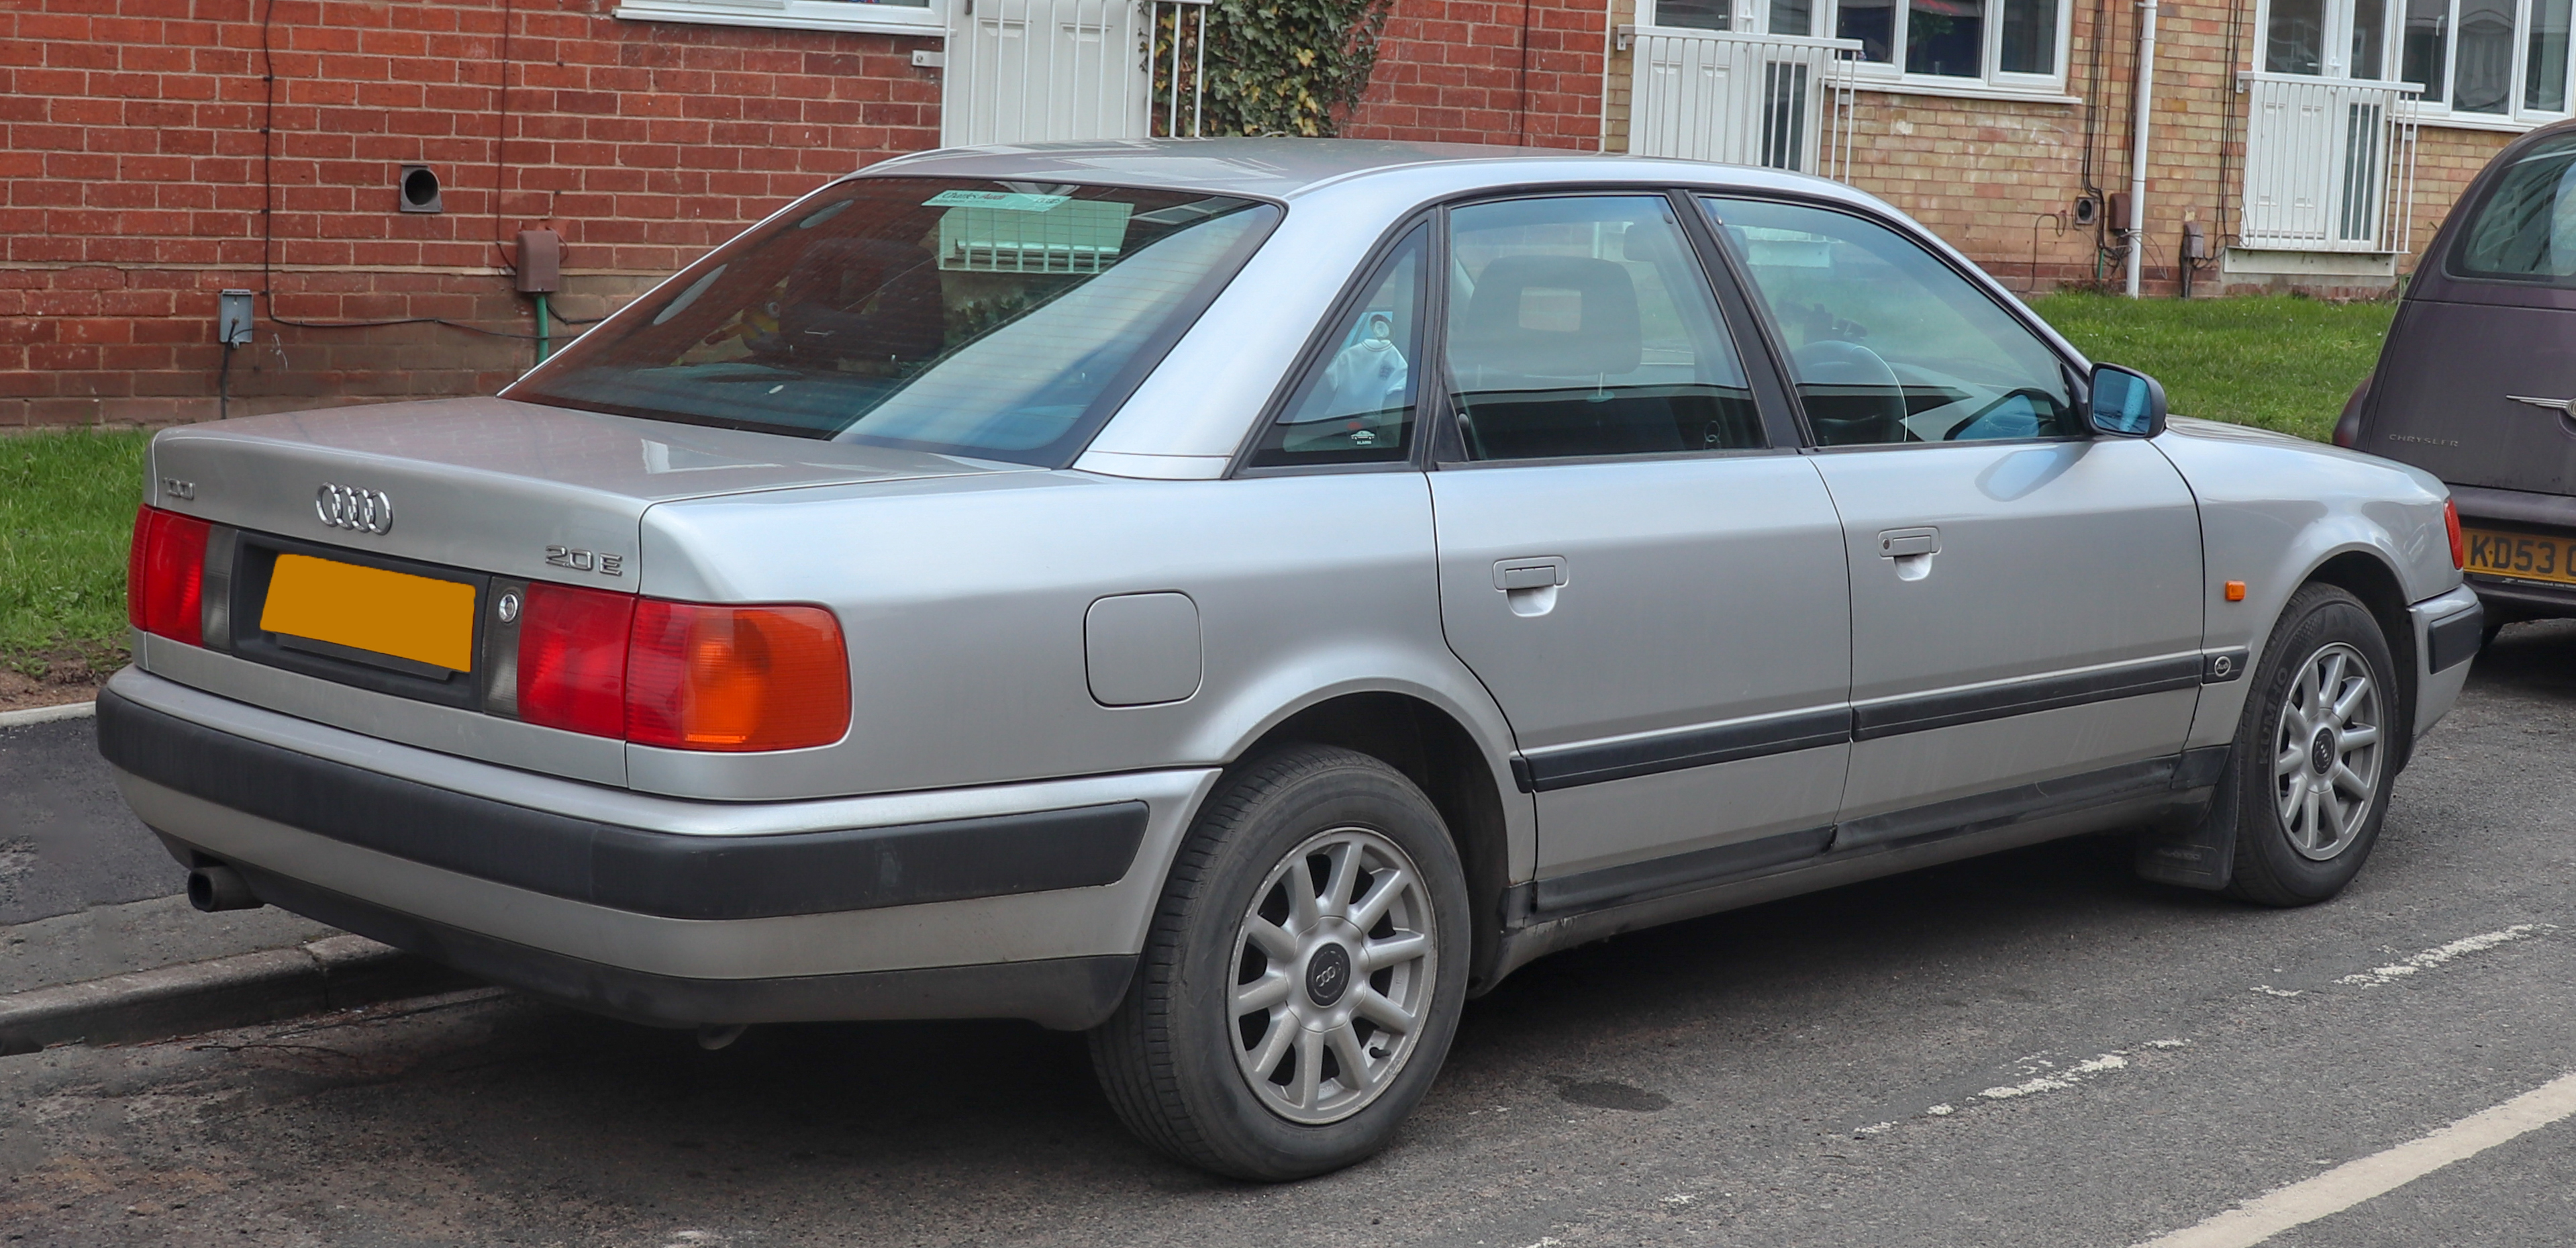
1550 316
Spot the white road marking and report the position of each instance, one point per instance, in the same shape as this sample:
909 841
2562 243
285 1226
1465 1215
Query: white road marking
2380 1173
2440 954
2085 1069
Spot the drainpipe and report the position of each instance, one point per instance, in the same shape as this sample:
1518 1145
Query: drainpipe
2138 139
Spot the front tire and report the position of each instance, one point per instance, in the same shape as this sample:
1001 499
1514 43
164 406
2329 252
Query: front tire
2316 752
1303 975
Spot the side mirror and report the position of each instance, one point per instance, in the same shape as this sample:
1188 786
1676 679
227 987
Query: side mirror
2127 403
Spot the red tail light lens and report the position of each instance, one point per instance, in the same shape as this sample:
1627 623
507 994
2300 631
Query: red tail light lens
2459 540
736 678
572 658
165 575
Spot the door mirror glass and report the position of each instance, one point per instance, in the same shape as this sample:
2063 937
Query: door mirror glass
2127 403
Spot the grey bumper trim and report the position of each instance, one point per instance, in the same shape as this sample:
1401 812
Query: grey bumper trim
665 874
1069 994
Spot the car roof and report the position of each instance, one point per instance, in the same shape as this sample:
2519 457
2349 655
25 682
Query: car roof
1287 169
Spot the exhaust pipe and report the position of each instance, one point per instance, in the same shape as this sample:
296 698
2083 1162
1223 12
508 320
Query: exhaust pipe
217 887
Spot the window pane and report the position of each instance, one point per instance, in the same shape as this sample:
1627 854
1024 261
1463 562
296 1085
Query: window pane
1888 344
1357 405
1793 17
937 314
2526 231
1694 14
2296 42
2427 51
1585 326
2369 37
2544 77
2030 37
1945 37
1873 22
2484 57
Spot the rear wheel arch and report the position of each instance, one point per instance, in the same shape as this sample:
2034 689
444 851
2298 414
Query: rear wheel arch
1438 754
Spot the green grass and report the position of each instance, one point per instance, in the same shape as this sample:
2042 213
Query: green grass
66 508
2276 361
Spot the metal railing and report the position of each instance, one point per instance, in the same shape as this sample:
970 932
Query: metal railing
1033 71
1775 100
2329 163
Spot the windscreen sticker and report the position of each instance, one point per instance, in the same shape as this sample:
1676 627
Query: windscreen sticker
1008 201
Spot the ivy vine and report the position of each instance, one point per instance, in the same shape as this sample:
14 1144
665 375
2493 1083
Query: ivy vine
1273 67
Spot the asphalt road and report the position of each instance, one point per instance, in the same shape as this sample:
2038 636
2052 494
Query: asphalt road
2031 1049
67 841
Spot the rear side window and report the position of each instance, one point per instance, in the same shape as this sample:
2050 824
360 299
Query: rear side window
2526 229
991 320
1356 405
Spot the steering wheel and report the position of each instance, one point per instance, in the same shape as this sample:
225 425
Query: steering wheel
1862 400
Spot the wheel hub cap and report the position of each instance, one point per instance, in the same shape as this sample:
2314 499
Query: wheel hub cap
2321 752
1328 974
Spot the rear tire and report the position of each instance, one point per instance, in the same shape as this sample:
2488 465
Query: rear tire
2316 752
1303 974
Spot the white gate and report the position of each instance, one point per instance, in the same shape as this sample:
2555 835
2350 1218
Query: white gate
1030 71
2329 163
1777 100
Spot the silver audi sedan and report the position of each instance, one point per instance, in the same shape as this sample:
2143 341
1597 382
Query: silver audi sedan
1243 599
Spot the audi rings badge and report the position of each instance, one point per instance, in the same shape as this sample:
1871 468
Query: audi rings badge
359 511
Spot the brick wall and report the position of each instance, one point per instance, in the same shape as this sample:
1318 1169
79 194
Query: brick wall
132 182
1523 73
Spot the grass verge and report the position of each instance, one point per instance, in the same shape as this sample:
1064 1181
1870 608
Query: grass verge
66 507
2275 361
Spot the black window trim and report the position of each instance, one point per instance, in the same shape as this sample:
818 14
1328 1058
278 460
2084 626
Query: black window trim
2076 369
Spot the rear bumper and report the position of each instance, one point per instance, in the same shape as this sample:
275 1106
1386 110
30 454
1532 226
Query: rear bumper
2527 512
1025 901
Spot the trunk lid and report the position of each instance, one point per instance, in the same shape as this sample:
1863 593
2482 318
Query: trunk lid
2468 391
493 485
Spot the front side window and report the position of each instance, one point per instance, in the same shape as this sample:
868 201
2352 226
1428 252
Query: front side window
2526 229
1886 343
1584 325
993 320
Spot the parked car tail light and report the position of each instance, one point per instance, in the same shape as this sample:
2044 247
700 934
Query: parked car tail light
165 575
736 678
2347 427
572 658
2459 540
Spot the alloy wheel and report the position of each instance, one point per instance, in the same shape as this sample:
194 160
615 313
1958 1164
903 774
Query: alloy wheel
2327 752
1335 964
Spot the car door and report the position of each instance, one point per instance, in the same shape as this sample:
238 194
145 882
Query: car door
2026 622
1648 582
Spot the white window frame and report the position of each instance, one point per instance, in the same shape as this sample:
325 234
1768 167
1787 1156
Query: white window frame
2430 111
1754 17
890 19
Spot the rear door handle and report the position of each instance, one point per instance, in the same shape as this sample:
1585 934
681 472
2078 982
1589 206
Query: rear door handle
1511 574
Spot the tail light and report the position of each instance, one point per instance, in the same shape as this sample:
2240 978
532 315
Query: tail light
682 675
572 658
165 575
735 678
2459 540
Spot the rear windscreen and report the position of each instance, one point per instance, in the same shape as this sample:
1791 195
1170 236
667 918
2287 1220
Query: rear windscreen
2526 229
991 320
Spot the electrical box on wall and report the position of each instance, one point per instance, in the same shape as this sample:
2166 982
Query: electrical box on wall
2118 210
2195 241
540 262
232 318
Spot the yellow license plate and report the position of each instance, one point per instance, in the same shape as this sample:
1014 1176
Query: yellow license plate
2522 555
419 618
